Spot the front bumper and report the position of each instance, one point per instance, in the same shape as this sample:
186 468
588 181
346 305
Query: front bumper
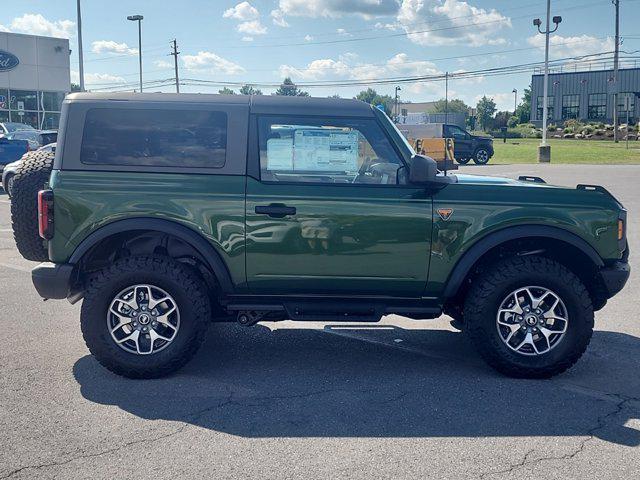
615 276
53 280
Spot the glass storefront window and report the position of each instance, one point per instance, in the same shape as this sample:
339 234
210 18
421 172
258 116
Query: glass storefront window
4 116
27 99
4 99
50 120
30 118
52 101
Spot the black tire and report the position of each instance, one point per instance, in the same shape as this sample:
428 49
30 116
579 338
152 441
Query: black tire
10 179
485 298
463 161
481 156
33 173
178 280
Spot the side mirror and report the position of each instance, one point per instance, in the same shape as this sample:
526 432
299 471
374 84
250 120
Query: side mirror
423 169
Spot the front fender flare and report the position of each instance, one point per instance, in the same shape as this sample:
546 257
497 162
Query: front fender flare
482 246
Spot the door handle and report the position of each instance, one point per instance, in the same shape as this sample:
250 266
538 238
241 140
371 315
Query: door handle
275 210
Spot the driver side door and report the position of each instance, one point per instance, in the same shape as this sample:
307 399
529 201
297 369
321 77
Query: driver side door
329 211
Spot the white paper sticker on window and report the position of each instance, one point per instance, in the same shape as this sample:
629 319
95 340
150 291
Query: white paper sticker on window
325 150
280 154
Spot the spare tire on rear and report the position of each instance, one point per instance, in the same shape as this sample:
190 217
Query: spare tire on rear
31 177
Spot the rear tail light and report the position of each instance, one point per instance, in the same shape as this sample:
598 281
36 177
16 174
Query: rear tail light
45 214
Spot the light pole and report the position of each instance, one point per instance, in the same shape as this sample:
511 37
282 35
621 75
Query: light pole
80 59
138 18
397 112
544 150
515 101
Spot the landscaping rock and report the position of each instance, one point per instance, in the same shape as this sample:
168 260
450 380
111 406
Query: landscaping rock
569 135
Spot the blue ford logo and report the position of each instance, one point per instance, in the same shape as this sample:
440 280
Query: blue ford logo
8 61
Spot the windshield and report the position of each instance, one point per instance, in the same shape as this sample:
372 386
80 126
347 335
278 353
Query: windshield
394 130
12 126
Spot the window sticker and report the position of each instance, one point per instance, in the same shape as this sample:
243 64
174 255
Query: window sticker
280 154
325 150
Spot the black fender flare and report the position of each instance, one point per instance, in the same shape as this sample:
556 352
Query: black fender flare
188 235
482 246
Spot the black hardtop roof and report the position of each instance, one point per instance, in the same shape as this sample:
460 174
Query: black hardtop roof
268 104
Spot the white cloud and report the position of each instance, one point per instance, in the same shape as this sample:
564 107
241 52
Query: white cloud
347 68
343 32
209 61
163 64
247 39
277 16
249 18
254 27
36 24
243 11
96 78
337 8
109 46
3 28
451 22
308 38
572 46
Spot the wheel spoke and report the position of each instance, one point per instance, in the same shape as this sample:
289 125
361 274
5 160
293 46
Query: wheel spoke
133 336
122 322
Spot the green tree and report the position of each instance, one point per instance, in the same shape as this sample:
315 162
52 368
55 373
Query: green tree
75 87
455 105
523 110
372 97
501 119
249 90
290 89
226 91
485 109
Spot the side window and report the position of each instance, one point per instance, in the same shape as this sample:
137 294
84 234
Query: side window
154 137
456 132
327 151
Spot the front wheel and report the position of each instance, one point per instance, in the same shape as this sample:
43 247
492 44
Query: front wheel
462 161
145 316
481 157
529 317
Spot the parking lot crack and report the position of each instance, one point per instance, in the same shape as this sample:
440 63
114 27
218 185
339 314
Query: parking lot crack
601 422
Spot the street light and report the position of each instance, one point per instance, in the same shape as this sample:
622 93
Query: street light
515 101
80 58
544 150
397 112
138 18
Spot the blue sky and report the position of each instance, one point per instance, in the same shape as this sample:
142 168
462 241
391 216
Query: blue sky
323 40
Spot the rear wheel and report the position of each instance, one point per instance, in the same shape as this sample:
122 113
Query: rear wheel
10 179
529 317
145 316
31 177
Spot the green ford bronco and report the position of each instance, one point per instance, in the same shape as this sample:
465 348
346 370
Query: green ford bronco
164 212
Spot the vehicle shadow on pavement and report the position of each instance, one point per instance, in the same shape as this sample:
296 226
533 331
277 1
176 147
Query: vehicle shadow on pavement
385 383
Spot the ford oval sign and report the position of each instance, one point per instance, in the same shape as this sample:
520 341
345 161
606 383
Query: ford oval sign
8 61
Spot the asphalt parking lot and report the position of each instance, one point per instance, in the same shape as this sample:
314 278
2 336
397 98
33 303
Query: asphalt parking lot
399 399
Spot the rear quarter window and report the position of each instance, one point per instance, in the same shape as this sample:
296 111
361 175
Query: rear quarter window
154 138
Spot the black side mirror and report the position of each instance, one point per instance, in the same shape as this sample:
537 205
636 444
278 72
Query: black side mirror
423 169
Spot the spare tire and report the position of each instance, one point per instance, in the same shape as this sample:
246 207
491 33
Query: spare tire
31 176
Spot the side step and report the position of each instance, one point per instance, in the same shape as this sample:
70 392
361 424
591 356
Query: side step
335 310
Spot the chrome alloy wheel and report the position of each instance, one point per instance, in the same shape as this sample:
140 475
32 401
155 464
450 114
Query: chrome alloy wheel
143 319
532 320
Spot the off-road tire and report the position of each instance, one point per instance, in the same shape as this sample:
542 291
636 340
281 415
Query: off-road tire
463 161
481 156
10 178
31 177
177 279
489 290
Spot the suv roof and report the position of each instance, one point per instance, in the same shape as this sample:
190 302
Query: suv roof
273 104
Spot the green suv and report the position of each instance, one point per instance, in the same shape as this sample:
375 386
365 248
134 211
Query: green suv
163 213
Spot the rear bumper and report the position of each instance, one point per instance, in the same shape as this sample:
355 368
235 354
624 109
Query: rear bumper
615 276
52 280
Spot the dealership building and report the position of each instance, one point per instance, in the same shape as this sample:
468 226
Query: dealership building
587 96
34 79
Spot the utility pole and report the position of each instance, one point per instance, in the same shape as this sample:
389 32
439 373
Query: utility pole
80 59
397 113
446 97
615 72
175 54
544 150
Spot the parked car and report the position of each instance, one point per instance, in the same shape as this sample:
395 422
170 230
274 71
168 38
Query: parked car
36 138
10 170
10 127
466 146
11 150
310 209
